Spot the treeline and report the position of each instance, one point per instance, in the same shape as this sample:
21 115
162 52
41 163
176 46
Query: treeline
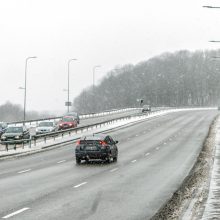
177 79
12 112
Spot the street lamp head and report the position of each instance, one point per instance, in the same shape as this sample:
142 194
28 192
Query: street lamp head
208 6
214 41
72 60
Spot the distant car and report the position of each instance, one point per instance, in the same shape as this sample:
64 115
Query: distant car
146 108
67 122
17 133
46 126
75 115
3 127
101 147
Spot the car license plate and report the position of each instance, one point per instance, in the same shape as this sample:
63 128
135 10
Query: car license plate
91 148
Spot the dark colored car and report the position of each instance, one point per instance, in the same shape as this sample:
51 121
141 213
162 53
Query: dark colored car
101 147
67 122
3 127
146 108
15 133
75 115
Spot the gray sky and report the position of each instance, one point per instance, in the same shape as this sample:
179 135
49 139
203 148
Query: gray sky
96 32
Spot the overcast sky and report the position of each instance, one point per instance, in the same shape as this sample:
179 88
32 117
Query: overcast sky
96 32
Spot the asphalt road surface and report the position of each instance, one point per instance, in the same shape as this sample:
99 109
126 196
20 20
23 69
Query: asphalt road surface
154 158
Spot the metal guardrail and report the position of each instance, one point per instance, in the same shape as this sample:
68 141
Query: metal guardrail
91 115
61 133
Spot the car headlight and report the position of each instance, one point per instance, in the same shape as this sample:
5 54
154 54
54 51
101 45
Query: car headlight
3 138
17 137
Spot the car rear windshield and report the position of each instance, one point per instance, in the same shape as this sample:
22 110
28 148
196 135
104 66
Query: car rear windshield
90 142
67 119
14 130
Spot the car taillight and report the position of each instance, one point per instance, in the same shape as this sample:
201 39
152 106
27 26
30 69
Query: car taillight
103 144
78 142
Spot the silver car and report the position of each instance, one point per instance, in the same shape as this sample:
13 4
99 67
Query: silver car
46 126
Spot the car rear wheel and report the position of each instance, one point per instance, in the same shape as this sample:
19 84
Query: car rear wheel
115 159
78 160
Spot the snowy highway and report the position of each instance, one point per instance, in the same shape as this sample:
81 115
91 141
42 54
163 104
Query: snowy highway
155 156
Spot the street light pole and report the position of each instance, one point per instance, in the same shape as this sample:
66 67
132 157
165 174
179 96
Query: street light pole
25 84
68 90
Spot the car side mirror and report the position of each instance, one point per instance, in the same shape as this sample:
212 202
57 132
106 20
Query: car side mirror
116 142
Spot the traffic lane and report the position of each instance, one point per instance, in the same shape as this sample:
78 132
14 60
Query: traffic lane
51 178
40 184
135 191
152 127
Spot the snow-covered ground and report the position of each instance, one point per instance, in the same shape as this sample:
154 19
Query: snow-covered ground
212 206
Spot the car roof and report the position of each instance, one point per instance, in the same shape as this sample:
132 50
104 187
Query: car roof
94 137
67 116
17 126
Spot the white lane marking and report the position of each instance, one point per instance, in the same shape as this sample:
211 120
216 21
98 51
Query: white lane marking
136 135
147 154
157 148
165 143
133 161
76 186
113 170
61 161
24 171
15 213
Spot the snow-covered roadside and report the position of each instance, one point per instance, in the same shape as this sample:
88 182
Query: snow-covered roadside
212 206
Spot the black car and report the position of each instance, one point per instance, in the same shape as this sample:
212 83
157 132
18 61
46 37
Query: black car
15 134
101 147
3 127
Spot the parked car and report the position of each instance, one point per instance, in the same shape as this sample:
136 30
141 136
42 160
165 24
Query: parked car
75 115
3 127
15 133
46 126
67 122
146 108
101 147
